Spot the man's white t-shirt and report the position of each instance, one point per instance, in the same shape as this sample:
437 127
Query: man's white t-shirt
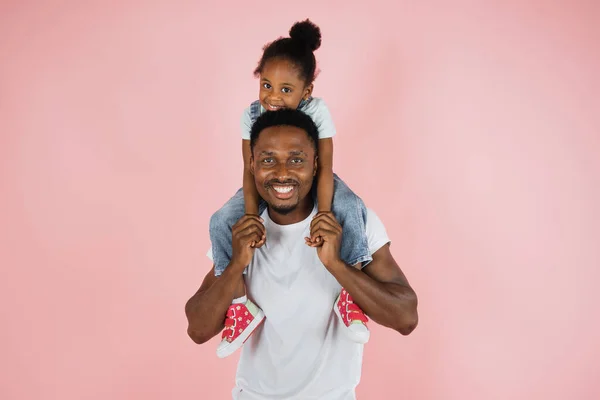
316 109
300 351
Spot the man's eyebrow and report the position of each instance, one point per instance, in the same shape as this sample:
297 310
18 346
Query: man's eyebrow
266 153
297 153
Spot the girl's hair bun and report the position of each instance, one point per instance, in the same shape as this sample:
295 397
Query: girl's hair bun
307 33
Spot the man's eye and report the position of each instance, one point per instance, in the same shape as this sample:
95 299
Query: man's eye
297 161
267 160
266 86
286 90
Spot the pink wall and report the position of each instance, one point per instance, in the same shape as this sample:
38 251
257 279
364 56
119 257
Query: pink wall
472 129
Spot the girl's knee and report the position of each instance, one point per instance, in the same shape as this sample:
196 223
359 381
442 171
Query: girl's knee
218 219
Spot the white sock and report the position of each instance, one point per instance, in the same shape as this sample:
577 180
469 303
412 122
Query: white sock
240 300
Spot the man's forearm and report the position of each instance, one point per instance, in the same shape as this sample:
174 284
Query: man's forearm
206 310
390 304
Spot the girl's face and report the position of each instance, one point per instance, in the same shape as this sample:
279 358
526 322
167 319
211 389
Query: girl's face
281 87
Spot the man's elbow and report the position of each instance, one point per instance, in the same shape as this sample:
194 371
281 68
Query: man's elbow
198 337
409 320
195 331
408 325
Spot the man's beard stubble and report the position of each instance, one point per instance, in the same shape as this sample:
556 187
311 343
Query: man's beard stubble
284 210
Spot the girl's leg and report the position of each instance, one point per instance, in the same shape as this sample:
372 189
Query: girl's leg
243 316
351 213
220 226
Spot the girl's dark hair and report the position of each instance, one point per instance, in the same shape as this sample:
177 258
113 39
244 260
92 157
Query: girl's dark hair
305 38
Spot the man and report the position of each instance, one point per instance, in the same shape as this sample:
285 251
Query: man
299 352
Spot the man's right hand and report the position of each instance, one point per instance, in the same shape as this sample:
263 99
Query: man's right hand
247 234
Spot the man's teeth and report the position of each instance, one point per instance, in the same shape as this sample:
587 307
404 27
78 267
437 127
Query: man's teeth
283 189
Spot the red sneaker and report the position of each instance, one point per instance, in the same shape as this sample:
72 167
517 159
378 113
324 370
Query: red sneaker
241 320
353 318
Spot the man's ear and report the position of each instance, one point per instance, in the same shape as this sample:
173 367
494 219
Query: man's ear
307 91
251 161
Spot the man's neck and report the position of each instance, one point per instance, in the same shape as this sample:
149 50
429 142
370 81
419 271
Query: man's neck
300 213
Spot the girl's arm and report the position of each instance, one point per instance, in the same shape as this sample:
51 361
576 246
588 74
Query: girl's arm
251 197
325 174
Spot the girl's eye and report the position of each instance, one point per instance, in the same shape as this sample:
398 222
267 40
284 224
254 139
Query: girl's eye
286 90
266 86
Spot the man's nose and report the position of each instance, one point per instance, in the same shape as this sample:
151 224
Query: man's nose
282 172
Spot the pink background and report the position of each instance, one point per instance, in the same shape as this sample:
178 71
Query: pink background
472 129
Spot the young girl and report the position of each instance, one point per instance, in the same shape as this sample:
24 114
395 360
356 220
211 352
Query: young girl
287 71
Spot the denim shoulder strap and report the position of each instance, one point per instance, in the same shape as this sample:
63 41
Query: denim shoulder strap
304 103
254 110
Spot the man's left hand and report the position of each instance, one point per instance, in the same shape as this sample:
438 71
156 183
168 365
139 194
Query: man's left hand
328 232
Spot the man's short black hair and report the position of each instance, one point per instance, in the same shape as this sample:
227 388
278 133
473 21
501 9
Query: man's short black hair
285 117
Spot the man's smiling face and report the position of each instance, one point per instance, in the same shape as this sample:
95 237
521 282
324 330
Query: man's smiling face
284 165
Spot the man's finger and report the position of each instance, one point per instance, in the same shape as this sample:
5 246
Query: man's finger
329 216
249 238
260 243
246 218
254 226
324 216
326 234
250 225
324 224
248 222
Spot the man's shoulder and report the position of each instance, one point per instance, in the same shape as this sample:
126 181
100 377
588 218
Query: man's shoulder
372 219
371 214
376 233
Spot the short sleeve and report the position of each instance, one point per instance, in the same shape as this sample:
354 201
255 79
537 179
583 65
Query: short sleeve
209 254
319 112
377 236
246 124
